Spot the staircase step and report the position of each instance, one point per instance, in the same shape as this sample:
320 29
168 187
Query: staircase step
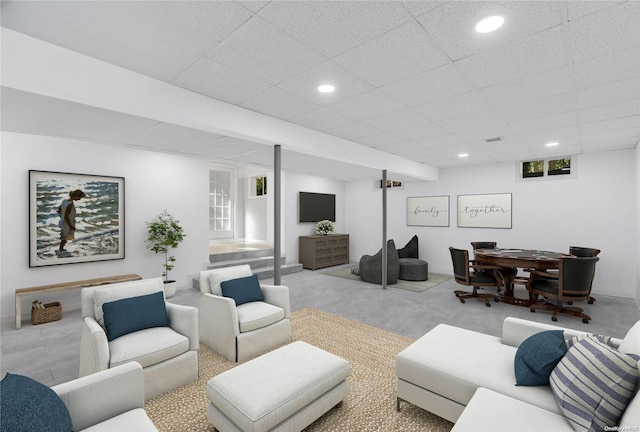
253 262
241 254
263 272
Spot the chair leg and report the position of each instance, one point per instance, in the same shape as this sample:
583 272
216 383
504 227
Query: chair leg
560 309
463 295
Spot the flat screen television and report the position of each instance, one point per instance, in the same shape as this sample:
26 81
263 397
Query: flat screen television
314 207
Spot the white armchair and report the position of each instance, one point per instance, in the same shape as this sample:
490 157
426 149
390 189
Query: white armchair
238 333
110 400
168 355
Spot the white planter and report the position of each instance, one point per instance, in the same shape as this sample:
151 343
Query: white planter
170 289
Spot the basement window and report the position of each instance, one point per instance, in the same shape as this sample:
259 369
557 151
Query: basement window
257 186
391 184
546 167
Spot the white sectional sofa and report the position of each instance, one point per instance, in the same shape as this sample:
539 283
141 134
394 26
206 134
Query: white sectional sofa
468 378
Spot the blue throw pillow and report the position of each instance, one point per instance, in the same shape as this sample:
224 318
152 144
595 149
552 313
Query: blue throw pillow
243 290
29 406
537 356
131 314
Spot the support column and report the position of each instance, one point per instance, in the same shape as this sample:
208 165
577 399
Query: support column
276 215
384 229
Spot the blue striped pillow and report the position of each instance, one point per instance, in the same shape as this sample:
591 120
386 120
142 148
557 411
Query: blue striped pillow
593 383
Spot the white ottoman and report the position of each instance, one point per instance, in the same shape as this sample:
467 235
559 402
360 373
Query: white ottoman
284 390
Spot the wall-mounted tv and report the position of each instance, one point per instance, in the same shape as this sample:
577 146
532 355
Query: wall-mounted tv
314 207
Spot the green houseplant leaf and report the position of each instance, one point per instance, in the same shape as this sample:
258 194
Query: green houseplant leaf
164 232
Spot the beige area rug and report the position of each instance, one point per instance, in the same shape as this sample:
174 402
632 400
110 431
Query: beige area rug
416 286
369 406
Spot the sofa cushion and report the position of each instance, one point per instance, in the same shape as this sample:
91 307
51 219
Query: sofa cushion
255 315
410 250
132 314
593 383
242 290
148 347
27 405
631 342
133 420
124 290
537 356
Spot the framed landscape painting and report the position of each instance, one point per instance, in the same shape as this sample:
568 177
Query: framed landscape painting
484 211
75 218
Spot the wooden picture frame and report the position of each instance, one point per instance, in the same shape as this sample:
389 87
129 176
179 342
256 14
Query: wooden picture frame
428 211
485 211
96 232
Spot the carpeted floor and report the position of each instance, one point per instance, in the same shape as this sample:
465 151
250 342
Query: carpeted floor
370 405
416 286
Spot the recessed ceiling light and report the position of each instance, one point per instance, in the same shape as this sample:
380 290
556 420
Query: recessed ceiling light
326 88
552 144
490 24
463 155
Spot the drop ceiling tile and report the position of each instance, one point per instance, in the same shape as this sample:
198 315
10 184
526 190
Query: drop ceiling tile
452 25
609 93
559 152
417 8
454 106
395 55
613 29
279 104
219 82
568 118
266 52
611 111
528 56
479 120
383 141
334 27
427 130
523 89
254 5
609 144
619 66
366 105
401 119
139 36
439 83
612 125
306 84
321 119
578 9
354 131
481 132
541 137
540 107
618 134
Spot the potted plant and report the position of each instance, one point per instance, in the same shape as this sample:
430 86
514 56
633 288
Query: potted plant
164 232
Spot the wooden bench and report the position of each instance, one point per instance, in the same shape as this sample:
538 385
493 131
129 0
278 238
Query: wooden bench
21 292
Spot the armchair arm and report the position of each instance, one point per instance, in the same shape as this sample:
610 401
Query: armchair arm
277 295
98 397
184 320
516 330
94 348
219 325
543 273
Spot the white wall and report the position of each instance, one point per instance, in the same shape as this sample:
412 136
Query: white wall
292 183
596 208
153 182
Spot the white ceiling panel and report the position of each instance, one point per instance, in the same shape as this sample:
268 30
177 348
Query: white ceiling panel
219 82
334 27
265 51
412 78
448 23
395 55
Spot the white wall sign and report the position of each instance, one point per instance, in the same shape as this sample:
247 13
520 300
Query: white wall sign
428 211
484 211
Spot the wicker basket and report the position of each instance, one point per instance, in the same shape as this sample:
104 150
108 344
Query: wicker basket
51 312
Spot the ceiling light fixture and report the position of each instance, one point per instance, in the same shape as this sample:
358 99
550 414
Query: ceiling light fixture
463 155
326 88
552 144
490 24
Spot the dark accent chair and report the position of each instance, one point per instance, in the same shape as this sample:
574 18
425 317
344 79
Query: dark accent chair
584 252
411 267
571 283
483 245
371 266
476 275
507 272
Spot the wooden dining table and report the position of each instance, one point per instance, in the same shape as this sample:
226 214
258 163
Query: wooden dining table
517 259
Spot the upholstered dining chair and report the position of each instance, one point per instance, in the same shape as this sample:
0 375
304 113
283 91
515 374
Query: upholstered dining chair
130 321
571 283
239 317
484 245
510 272
584 252
475 275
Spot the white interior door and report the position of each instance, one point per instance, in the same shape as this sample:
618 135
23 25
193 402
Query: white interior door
221 204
